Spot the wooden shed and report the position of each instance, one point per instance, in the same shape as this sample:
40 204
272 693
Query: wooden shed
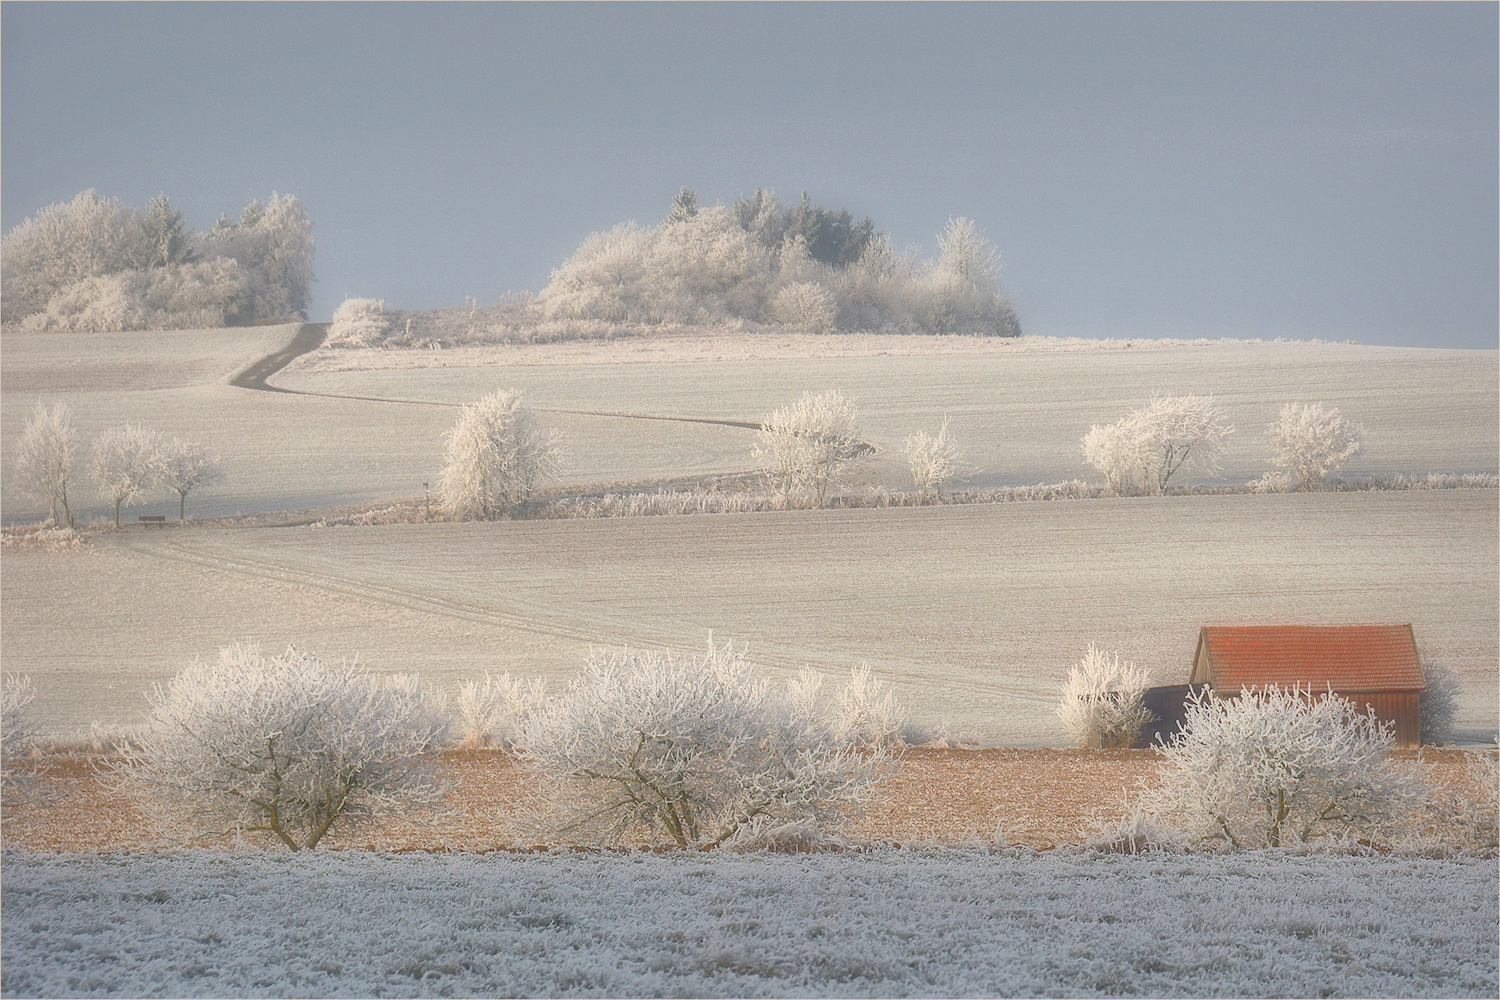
1374 666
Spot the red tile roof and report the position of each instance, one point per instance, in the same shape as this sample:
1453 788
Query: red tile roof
1347 657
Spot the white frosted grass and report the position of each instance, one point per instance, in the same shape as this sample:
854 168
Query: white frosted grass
892 923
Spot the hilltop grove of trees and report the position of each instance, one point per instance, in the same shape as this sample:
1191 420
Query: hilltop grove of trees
94 264
801 265
752 264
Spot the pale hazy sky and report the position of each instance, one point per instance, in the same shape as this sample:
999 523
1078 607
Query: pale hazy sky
1302 170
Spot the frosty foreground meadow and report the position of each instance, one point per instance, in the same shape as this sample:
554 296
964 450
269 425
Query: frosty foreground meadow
888 923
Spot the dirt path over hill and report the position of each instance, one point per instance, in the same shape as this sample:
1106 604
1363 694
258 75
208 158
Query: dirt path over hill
308 339
311 335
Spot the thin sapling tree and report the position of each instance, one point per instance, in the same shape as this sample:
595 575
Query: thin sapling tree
933 460
187 466
126 461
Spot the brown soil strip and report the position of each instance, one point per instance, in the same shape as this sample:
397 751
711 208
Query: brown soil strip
1036 798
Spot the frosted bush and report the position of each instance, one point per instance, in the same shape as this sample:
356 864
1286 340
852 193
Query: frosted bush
497 455
1139 831
804 304
17 729
358 323
1142 451
492 712
283 746
933 460
807 444
1278 767
1102 701
692 751
205 295
1312 442
1477 808
866 713
1273 482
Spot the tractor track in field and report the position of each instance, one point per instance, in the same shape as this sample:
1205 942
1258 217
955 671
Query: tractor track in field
310 337
585 625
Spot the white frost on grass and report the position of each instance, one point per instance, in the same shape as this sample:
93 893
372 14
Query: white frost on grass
892 923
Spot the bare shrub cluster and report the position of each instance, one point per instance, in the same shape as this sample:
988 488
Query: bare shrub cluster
18 732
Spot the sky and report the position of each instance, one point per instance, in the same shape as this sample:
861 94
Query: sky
1178 170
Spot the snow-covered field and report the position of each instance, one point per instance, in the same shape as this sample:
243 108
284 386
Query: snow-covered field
1017 411
891 923
973 613
1017 414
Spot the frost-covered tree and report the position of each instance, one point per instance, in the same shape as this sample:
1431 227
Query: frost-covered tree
125 462
88 237
45 456
273 244
358 323
1312 442
760 215
807 444
1102 702
284 746
1142 451
1276 767
186 466
684 206
167 239
966 258
497 455
692 751
750 262
805 304
933 460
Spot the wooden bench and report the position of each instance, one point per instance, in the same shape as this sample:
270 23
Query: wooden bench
154 520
